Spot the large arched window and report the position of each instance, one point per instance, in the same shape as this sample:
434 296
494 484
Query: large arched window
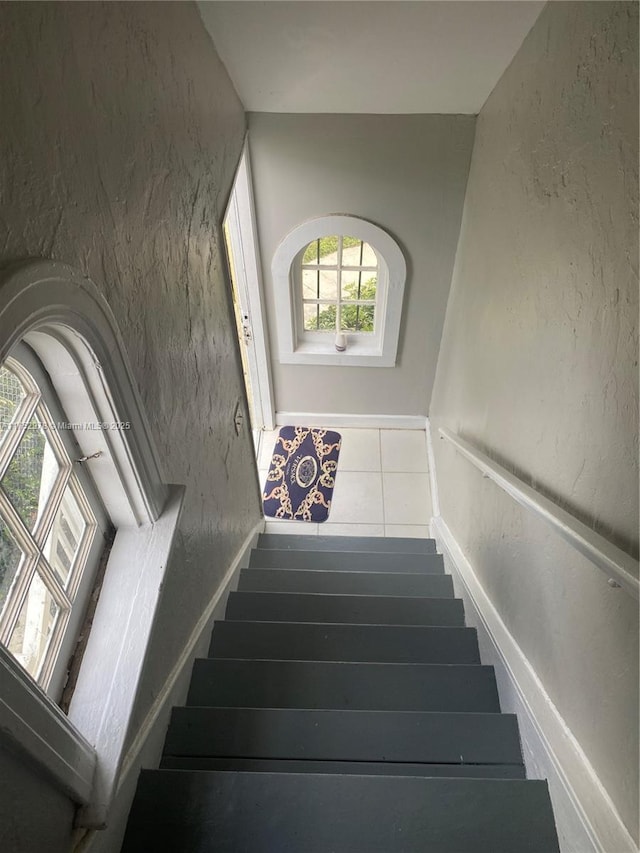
67 394
51 521
339 283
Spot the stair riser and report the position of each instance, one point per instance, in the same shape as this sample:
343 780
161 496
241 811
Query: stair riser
350 562
316 813
375 643
364 768
345 583
345 735
373 610
376 544
356 686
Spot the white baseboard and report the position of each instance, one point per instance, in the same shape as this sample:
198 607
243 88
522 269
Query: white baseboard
586 818
431 468
203 625
347 421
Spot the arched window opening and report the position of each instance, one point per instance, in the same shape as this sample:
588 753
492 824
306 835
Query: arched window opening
51 524
339 284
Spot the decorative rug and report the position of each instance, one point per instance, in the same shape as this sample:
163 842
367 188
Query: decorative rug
302 474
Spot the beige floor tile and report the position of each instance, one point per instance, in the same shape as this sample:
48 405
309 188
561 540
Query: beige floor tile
407 498
327 528
411 531
360 450
403 450
302 528
357 498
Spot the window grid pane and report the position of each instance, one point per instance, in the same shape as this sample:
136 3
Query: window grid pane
38 617
42 506
355 262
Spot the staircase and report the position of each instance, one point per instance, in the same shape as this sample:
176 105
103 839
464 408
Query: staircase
343 708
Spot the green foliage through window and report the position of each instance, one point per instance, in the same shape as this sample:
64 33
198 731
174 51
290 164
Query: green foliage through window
355 317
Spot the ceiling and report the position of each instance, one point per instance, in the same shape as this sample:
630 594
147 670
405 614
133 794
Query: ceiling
367 56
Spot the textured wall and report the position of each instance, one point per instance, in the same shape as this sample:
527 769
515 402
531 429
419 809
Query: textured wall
407 174
539 364
120 136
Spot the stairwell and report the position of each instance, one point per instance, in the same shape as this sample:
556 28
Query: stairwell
343 707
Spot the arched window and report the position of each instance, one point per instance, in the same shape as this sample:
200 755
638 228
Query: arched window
51 521
339 283
67 394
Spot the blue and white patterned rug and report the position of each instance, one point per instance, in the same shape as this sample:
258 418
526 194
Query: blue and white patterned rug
302 474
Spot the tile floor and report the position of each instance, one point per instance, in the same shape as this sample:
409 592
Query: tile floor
382 485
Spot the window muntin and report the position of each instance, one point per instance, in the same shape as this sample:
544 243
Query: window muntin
49 520
297 345
339 285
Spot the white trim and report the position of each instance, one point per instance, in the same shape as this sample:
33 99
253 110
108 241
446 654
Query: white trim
58 303
586 818
431 467
615 563
347 421
199 636
202 626
35 726
107 687
64 317
241 221
376 350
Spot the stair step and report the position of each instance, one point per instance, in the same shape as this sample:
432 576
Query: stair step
379 544
397 736
347 583
341 561
374 643
355 609
361 686
194 812
365 768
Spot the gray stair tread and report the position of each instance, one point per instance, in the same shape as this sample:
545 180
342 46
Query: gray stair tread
379 544
355 609
349 583
352 561
196 812
366 768
397 736
375 643
363 686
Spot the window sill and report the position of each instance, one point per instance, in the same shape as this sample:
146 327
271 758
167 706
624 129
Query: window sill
82 754
358 354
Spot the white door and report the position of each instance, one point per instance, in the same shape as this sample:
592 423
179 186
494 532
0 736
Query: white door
241 245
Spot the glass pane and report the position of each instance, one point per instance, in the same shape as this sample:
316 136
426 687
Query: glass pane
311 253
12 393
37 619
31 474
319 284
358 285
319 317
369 258
11 556
351 252
357 318
65 535
323 251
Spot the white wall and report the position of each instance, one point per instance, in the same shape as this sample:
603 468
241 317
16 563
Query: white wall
120 136
407 174
539 365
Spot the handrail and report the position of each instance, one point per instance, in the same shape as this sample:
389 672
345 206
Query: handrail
620 567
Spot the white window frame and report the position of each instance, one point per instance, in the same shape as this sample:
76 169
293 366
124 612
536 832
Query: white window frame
63 317
72 595
376 349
